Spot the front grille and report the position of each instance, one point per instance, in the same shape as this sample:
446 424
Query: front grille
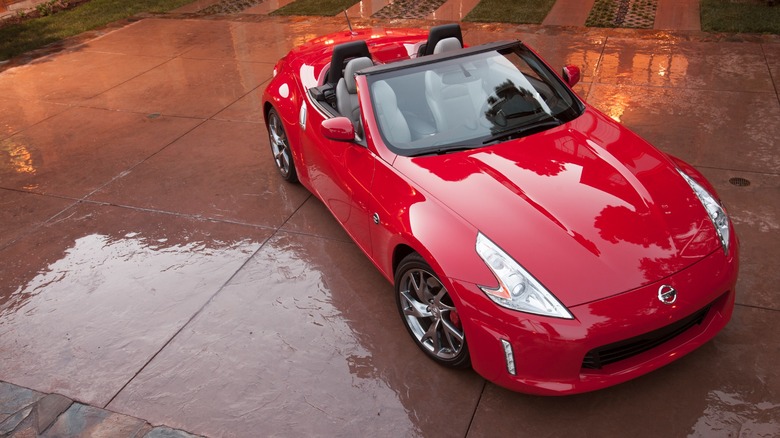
607 354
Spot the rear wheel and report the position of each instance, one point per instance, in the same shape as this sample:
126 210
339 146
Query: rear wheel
280 147
429 313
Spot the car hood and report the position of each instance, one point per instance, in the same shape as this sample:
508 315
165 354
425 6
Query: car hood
588 208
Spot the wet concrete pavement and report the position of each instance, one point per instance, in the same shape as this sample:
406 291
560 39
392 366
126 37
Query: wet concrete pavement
156 271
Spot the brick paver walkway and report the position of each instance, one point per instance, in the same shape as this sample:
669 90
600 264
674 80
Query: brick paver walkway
669 15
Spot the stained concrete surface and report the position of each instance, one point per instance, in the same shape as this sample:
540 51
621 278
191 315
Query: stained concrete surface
155 270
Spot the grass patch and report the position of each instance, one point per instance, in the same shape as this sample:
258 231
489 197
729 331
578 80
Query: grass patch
326 8
602 14
747 16
17 38
637 14
512 11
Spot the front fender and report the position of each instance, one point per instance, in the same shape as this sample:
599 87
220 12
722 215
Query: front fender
285 94
412 218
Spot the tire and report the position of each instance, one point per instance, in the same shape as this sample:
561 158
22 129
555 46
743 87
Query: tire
280 147
429 313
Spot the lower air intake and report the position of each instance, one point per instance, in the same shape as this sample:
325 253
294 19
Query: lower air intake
607 354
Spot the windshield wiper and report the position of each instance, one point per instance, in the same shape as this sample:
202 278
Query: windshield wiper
441 150
518 130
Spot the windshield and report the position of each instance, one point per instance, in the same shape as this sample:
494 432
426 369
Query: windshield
467 102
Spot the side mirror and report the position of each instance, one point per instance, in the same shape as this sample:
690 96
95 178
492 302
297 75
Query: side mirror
571 74
338 129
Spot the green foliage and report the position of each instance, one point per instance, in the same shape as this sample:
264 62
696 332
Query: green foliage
315 7
17 38
512 11
46 8
51 7
639 14
748 17
602 14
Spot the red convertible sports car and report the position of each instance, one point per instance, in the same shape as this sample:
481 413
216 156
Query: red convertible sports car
526 234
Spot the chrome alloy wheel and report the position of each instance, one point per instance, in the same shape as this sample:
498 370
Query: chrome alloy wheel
430 315
280 147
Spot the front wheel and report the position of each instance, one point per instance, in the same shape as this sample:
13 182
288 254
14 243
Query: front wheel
429 313
280 147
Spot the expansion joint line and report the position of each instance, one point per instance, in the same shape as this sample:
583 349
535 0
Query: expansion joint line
769 69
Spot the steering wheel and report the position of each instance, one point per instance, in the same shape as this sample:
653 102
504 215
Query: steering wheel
508 102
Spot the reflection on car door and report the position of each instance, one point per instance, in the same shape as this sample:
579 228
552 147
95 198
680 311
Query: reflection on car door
341 175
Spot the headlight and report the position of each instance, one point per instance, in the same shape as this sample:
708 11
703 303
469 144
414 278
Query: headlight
715 211
517 289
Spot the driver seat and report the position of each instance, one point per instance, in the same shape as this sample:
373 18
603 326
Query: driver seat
455 97
347 102
391 121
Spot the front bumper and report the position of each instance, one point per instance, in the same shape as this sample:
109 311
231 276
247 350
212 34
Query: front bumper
549 354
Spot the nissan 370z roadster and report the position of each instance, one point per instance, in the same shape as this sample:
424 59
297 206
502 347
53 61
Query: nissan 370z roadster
526 234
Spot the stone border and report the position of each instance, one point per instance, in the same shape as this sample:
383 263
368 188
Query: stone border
25 412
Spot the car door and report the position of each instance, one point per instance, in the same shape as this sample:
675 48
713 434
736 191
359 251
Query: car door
340 174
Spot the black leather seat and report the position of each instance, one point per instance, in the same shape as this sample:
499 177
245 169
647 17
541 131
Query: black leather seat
341 55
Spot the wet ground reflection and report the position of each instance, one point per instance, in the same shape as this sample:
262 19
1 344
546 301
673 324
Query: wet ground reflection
307 329
20 159
728 414
110 268
89 309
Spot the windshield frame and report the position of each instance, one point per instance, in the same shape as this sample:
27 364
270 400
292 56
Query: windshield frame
574 107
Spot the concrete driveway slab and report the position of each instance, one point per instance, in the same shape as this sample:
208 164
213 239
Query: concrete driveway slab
307 332
186 87
91 297
314 219
220 171
772 53
246 109
20 114
707 128
160 37
722 66
678 14
755 211
82 149
261 42
22 213
569 13
74 76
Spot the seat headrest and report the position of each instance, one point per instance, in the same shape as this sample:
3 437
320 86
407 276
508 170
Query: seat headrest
447 45
438 33
343 52
354 66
